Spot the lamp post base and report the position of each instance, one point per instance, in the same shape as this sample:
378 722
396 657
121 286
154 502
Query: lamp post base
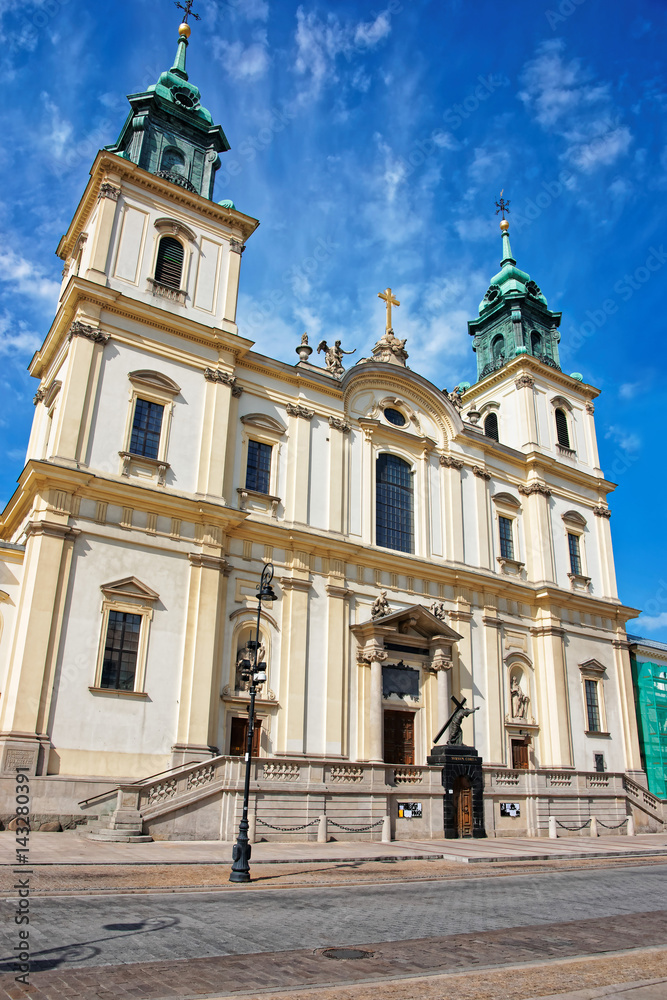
241 855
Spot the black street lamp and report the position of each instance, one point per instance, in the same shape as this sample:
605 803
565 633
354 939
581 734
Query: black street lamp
256 674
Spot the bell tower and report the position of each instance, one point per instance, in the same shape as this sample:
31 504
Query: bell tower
169 133
514 318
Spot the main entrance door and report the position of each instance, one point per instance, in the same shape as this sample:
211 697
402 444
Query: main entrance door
399 737
463 806
239 737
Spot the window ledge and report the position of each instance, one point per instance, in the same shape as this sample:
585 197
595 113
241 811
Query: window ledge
564 450
117 693
579 582
597 732
510 566
168 291
263 503
159 466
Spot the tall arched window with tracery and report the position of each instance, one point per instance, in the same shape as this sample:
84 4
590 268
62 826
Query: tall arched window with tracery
394 507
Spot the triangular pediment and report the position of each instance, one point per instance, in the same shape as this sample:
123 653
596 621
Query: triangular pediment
592 667
416 621
129 586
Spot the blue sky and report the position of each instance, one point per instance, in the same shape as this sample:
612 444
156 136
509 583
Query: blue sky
371 139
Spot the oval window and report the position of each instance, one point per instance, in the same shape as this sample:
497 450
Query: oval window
394 417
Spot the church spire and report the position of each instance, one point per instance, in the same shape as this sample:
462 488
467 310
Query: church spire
168 131
514 317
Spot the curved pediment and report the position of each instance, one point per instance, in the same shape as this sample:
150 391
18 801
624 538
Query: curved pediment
428 410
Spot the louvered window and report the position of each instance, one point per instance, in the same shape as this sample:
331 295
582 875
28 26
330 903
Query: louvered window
394 504
491 426
169 267
562 431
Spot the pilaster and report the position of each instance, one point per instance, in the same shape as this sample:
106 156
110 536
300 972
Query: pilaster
482 478
460 618
299 463
553 694
86 344
215 431
539 535
106 214
526 408
199 702
627 704
453 508
338 484
26 698
336 671
233 277
494 709
294 654
603 538
374 655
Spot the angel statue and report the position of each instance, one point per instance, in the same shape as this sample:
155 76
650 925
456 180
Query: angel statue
333 357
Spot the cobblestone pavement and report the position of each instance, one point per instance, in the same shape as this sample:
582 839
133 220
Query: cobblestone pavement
65 879
580 954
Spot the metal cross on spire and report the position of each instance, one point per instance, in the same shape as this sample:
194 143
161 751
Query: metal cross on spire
390 301
188 10
502 205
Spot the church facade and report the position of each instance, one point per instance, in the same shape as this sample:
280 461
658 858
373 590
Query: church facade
426 544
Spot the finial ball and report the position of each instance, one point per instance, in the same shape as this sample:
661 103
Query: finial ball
184 30
504 225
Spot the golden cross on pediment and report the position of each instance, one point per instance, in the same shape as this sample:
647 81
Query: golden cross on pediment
390 301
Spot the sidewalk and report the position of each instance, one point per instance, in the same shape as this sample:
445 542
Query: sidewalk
73 849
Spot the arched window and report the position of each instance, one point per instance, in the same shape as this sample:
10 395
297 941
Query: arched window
536 344
173 160
169 266
562 431
491 426
394 504
498 348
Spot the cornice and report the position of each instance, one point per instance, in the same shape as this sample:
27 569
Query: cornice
81 291
120 169
526 364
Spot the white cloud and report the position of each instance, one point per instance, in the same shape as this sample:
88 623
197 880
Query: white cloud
253 10
243 62
651 622
16 338
320 42
566 100
628 390
488 164
25 277
57 132
625 439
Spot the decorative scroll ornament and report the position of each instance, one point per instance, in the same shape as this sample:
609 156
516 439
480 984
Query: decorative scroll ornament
109 191
340 424
528 491
525 382
218 375
79 329
481 473
300 411
450 463
601 511
590 408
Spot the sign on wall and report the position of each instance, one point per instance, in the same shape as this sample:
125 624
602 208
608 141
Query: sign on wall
510 809
409 810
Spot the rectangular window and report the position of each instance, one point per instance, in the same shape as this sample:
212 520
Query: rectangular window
258 469
598 760
506 540
575 554
120 652
146 428
592 707
394 504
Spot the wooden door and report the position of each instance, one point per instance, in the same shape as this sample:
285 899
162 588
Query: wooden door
399 737
519 754
463 807
239 737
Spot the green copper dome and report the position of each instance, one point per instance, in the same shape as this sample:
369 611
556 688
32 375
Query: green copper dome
514 318
170 134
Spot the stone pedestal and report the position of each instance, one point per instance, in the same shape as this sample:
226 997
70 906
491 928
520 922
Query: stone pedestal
458 761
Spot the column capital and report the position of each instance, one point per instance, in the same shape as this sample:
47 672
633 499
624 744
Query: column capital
481 473
294 583
79 329
341 592
542 488
51 528
450 463
108 190
203 561
340 424
602 511
298 410
525 381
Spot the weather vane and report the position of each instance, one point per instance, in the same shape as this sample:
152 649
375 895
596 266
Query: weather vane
502 205
188 10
